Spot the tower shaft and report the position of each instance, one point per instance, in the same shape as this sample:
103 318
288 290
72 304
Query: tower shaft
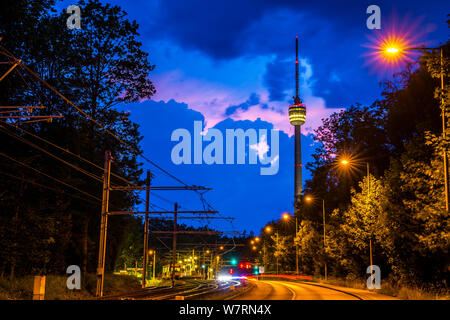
297 117
298 162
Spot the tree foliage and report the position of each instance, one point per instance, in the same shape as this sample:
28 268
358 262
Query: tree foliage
96 67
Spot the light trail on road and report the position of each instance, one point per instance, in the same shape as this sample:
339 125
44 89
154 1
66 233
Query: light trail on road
289 290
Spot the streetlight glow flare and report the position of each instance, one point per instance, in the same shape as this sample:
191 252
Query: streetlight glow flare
392 50
388 48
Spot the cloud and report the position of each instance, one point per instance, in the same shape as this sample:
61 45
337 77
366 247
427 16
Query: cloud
243 97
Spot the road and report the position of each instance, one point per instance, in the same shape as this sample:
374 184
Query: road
288 290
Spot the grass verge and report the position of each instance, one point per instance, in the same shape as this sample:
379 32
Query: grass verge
394 290
56 288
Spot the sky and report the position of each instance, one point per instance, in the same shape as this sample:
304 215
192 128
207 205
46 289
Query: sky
230 65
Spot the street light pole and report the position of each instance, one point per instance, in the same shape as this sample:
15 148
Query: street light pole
324 236
347 162
443 105
444 135
277 249
296 245
154 264
370 239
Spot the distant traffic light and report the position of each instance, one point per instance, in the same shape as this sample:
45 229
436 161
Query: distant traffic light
234 262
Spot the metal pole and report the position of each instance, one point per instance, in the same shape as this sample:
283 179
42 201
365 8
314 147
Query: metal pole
203 265
154 264
147 209
103 226
277 255
174 243
264 255
210 273
324 237
370 239
296 245
444 135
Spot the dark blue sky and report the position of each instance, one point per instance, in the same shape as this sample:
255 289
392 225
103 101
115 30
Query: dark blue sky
231 64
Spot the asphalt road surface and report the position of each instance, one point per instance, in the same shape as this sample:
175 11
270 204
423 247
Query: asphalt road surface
288 290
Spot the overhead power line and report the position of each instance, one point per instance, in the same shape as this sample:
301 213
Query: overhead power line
49 176
22 139
67 151
46 187
133 149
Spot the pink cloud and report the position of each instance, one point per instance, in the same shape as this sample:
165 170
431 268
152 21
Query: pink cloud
212 99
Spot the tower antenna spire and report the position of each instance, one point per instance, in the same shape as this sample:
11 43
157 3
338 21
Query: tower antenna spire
297 94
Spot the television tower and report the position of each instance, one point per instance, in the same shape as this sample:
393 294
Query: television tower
297 117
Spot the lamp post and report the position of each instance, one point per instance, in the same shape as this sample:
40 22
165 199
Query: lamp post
346 162
309 199
153 252
393 51
286 217
268 229
296 246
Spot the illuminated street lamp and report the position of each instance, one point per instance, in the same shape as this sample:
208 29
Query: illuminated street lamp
257 239
396 51
346 162
153 252
391 50
286 216
310 199
268 229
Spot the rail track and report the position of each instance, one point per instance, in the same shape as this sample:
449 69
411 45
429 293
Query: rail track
190 290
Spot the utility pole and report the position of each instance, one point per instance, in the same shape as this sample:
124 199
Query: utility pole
147 188
145 255
296 245
103 225
174 243
324 238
